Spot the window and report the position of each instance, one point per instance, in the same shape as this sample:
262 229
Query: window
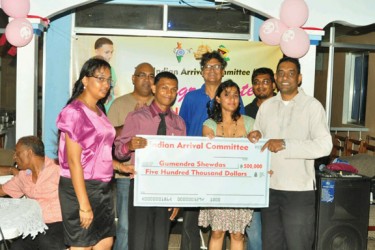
208 20
120 16
356 75
163 21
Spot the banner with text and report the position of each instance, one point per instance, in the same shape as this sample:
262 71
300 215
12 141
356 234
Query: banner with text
180 56
177 171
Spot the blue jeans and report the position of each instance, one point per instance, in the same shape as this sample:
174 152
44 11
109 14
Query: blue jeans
122 185
254 232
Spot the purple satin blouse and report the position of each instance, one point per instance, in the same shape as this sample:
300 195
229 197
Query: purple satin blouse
94 133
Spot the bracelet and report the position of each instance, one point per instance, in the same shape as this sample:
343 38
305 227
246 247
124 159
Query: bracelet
85 211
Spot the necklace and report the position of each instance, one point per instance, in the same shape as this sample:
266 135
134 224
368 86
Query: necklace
235 129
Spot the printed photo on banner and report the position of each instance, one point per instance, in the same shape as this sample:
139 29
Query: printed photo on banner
180 56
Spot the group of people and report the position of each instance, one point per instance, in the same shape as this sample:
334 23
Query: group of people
92 147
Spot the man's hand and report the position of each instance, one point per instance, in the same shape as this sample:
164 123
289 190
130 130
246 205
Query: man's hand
14 171
274 145
137 143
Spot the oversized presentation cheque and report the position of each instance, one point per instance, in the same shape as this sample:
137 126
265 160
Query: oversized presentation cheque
179 171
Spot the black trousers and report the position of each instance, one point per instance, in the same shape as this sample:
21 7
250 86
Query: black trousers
148 226
289 221
52 239
190 237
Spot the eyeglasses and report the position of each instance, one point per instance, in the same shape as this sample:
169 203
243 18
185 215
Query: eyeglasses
103 79
213 67
263 82
144 76
288 74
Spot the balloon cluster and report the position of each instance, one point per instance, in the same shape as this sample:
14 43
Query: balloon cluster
286 32
19 31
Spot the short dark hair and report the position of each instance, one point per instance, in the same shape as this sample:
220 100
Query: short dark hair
215 112
263 71
292 60
165 74
213 55
34 143
101 41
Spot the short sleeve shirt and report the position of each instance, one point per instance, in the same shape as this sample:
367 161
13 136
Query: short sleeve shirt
94 133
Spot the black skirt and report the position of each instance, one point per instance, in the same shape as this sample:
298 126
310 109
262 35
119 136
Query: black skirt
101 200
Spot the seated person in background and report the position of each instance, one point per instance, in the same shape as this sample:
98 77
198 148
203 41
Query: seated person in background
38 179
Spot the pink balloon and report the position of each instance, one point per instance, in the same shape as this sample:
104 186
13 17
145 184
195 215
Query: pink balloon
19 32
16 8
295 42
271 31
294 13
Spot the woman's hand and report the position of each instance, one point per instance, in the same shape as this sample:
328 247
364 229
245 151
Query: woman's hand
210 136
123 167
86 217
127 168
254 136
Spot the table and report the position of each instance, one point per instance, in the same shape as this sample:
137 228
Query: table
20 217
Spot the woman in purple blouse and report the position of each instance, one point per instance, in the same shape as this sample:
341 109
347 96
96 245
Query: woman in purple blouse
85 147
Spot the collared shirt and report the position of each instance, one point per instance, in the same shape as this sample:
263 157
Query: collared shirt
194 110
146 121
44 191
303 125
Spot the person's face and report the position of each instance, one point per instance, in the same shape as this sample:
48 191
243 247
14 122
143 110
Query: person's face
288 79
263 86
229 99
165 92
22 156
213 71
143 79
106 51
98 84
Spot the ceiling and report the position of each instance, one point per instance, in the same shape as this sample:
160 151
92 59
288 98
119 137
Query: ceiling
344 31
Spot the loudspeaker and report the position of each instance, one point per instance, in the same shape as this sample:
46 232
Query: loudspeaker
343 205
